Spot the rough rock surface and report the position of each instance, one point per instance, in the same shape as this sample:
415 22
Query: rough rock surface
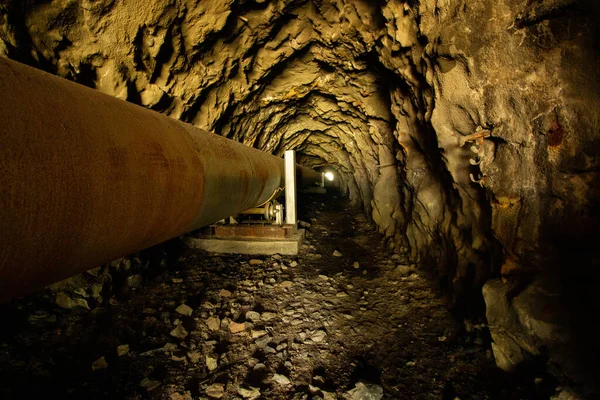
467 130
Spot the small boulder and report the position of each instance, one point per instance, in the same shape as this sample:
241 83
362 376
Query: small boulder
179 332
234 327
99 364
215 391
184 309
281 379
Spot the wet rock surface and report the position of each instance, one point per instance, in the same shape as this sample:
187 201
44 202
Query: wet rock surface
225 326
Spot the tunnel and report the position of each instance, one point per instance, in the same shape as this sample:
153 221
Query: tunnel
453 255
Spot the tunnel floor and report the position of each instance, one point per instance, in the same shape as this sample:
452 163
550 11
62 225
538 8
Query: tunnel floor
315 326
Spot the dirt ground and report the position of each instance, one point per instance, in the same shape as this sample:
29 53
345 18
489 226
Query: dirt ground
360 324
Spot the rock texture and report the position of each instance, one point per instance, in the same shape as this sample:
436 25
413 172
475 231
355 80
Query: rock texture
467 130
336 333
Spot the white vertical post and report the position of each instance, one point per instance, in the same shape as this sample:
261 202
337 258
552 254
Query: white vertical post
290 187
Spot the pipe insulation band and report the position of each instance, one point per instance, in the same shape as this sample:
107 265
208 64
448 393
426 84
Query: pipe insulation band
86 178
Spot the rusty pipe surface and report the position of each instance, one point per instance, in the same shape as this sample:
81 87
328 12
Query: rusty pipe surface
87 178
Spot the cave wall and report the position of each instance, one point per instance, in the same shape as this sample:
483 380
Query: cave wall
468 130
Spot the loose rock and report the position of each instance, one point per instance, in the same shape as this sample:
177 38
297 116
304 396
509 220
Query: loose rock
251 393
179 332
365 391
253 316
281 379
213 323
184 309
122 350
234 327
64 301
211 363
99 364
215 391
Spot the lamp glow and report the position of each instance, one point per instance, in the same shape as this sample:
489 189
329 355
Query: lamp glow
329 176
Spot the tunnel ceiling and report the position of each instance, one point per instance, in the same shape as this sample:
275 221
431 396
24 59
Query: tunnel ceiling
466 129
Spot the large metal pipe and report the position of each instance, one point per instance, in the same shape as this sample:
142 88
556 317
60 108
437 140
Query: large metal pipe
86 178
306 177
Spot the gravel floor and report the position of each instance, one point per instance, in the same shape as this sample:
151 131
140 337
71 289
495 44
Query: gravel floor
345 319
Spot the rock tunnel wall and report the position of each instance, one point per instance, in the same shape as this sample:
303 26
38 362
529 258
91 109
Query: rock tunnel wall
468 130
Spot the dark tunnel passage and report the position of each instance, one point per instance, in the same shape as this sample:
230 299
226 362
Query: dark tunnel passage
454 255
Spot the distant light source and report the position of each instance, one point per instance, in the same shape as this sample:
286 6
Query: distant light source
329 176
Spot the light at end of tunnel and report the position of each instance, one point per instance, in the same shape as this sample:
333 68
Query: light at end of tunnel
329 176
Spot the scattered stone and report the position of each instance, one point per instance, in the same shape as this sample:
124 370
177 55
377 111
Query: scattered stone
303 224
184 309
293 264
356 265
404 270
282 346
251 393
194 356
149 384
234 327
181 396
134 281
122 350
213 323
216 390
336 253
324 277
211 363
253 316
365 391
257 334
277 257
281 379
268 316
177 280
96 289
168 347
328 396
318 336
225 293
99 364
263 341
255 262
94 271
179 332
286 284
64 301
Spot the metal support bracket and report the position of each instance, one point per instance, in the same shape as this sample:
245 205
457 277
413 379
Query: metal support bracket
290 188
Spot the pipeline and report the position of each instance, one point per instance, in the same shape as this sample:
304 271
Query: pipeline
86 178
